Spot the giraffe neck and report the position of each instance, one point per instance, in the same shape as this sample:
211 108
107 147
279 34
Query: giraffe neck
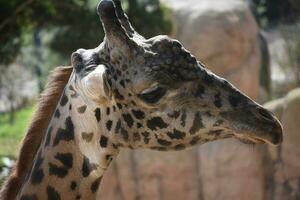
74 154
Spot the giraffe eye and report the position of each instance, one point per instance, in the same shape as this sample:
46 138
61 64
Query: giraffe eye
152 95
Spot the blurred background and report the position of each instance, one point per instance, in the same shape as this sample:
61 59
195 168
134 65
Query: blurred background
253 43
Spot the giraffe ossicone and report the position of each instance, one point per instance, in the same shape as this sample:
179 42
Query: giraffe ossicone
133 92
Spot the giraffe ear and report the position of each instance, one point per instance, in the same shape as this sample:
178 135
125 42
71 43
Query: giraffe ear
96 85
116 35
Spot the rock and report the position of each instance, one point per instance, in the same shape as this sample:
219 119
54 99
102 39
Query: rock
291 121
285 158
222 34
276 106
231 170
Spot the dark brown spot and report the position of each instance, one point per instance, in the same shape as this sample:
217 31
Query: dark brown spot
128 119
179 147
218 100
156 123
107 110
119 72
122 83
124 67
103 141
215 132
195 140
73 185
64 99
197 124
37 170
118 95
136 137
66 160
118 126
159 148
125 135
138 114
57 113
82 109
87 136
164 142
139 125
98 114
176 134
87 167
109 125
183 118
95 185
119 106
66 134
146 137
52 194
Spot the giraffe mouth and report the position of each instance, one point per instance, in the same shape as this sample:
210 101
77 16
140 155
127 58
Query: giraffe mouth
251 140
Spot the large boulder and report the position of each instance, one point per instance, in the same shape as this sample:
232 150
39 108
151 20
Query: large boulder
284 177
222 34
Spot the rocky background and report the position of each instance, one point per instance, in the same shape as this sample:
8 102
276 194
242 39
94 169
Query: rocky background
224 35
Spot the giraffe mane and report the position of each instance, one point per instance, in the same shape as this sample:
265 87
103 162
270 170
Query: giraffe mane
36 131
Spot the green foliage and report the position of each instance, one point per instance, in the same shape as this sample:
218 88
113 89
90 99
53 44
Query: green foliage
11 134
149 17
74 23
273 12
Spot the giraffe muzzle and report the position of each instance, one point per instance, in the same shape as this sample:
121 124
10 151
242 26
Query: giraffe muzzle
255 125
273 133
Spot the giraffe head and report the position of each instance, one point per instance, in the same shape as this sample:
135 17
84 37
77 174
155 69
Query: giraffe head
154 94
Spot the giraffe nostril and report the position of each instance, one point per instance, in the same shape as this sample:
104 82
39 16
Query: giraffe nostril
265 114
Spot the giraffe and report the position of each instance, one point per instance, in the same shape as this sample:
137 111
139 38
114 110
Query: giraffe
129 92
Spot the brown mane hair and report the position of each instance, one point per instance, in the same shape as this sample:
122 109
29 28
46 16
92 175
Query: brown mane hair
36 131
